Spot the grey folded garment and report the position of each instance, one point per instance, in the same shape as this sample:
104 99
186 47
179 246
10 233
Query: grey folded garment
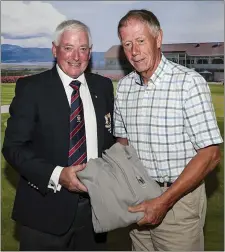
115 182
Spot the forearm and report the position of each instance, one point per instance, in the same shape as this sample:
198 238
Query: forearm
20 136
122 141
196 170
34 169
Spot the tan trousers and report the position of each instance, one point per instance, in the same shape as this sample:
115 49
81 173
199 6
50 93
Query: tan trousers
181 229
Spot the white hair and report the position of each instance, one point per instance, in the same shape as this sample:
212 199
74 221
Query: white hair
71 25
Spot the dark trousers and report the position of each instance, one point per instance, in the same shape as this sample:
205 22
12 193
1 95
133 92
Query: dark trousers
79 237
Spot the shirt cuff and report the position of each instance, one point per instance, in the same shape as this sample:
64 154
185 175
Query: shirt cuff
54 179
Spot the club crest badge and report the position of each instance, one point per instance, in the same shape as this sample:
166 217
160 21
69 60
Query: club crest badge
141 181
108 122
78 118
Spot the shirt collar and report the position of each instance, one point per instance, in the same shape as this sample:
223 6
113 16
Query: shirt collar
157 75
66 80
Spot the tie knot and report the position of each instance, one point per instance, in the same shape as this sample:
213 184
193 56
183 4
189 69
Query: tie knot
75 84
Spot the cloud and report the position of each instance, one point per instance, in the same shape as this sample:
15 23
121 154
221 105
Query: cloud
32 23
28 19
199 22
75 9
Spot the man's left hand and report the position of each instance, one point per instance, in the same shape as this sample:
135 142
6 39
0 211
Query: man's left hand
154 210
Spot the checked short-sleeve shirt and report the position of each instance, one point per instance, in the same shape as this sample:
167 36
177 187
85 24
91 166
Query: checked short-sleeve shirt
167 120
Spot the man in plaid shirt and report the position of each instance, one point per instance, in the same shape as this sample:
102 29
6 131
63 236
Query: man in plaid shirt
164 110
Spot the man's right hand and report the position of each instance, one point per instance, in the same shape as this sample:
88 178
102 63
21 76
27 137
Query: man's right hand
68 178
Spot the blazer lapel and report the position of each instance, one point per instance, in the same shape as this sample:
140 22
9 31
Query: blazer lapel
59 103
96 99
59 94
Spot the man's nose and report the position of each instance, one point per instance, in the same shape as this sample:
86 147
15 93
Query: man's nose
135 50
75 55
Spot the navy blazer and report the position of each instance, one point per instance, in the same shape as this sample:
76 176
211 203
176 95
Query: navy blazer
37 140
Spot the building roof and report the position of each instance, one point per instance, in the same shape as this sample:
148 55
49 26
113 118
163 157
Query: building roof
192 49
115 51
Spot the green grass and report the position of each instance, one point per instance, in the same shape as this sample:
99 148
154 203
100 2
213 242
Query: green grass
118 239
9 180
7 93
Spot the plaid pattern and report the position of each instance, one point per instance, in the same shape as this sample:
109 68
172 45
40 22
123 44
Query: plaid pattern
167 120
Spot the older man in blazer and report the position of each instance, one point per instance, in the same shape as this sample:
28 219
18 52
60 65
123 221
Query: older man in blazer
51 204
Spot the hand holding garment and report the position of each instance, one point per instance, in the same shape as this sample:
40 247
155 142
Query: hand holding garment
115 182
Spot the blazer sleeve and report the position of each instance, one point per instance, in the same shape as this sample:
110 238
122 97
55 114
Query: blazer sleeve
17 147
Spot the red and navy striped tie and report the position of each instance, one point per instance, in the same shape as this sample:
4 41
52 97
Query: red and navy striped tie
78 148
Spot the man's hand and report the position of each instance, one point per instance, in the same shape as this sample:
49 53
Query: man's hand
69 180
154 210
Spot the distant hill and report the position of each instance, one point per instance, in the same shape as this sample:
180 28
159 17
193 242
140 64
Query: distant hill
17 54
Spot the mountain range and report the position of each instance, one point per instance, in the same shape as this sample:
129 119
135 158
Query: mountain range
18 54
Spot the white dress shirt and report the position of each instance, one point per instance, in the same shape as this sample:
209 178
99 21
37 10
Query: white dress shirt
89 118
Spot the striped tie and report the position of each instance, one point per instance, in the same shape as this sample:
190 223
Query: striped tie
78 149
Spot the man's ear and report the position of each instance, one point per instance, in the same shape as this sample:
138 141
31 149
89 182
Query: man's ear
53 49
90 51
159 38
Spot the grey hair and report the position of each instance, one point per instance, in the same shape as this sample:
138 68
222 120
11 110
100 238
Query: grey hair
142 15
71 25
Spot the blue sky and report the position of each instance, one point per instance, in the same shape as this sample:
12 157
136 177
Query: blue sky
31 23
